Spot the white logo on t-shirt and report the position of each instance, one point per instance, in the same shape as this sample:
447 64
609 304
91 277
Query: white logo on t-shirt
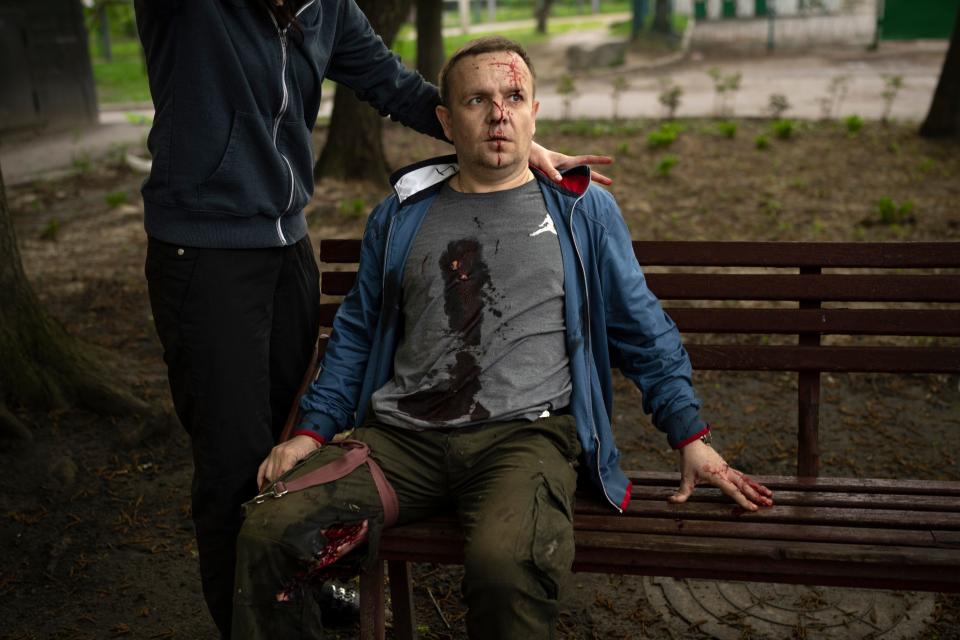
546 225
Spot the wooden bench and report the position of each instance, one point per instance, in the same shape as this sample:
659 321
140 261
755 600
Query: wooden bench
899 534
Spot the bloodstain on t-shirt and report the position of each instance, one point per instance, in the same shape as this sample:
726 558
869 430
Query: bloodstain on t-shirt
466 289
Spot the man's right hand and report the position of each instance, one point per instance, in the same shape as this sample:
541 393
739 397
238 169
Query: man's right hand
282 458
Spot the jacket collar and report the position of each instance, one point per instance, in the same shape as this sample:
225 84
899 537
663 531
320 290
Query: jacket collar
418 180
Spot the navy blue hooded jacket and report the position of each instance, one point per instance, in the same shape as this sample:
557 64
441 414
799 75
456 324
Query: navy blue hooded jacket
236 99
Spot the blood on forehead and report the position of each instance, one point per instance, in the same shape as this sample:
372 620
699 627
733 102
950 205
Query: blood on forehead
512 67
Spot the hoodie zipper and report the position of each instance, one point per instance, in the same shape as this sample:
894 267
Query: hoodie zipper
586 293
283 110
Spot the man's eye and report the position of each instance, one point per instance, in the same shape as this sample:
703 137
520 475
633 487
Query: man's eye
475 100
516 97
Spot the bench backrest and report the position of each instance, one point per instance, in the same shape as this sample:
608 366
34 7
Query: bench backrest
808 290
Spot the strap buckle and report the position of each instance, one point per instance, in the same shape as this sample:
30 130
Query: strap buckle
277 490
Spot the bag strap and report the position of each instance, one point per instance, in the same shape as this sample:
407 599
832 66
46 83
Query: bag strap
357 453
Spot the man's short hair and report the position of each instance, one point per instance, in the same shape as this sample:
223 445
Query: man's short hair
488 44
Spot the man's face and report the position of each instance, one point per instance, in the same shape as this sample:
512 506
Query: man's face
491 115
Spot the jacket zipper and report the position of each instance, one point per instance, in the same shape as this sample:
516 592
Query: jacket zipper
283 109
586 293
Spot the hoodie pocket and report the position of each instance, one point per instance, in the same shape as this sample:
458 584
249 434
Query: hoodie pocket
252 178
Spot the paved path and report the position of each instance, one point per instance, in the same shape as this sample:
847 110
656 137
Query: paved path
803 77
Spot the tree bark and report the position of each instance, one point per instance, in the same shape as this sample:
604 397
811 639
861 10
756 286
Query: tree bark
42 366
542 12
430 53
354 147
943 119
661 18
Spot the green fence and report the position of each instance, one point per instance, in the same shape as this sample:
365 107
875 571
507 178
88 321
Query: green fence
913 19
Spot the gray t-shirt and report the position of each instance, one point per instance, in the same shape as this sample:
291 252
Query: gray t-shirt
484 336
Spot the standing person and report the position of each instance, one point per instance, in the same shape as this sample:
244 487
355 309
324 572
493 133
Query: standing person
473 356
232 277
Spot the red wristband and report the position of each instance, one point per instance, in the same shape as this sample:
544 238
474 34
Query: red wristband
696 436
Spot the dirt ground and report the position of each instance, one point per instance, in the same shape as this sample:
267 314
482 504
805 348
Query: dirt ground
96 528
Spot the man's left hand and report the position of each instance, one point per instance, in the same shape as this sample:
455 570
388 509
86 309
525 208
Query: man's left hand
552 162
700 464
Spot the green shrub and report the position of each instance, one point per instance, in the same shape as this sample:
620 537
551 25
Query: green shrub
355 208
727 128
666 165
853 124
665 136
50 230
762 142
892 212
116 198
783 129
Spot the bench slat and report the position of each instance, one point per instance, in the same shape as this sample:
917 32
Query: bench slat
798 254
763 530
340 251
794 483
892 518
817 499
890 322
822 358
826 287
448 526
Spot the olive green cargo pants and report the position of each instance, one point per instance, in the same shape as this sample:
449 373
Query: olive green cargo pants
510 483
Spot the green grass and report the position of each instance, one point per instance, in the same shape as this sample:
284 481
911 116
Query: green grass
125 78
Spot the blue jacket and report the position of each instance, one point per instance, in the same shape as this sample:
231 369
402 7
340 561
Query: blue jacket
612 320
236 98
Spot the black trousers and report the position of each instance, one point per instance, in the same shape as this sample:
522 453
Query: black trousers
237 328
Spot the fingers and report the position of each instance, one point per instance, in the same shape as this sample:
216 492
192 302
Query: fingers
731 490
747 493
261 474
283 457
753 490
589 159
599 178
687 482
560 161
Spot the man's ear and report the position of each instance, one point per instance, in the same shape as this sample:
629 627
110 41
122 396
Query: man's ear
444 116
536 109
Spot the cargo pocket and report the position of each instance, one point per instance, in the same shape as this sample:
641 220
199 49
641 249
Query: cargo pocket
551 545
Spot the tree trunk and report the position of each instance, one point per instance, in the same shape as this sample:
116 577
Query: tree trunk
943 119
43 366
662 23
354 147
430 38
542 13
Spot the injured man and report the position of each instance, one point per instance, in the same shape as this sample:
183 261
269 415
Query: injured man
472 359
